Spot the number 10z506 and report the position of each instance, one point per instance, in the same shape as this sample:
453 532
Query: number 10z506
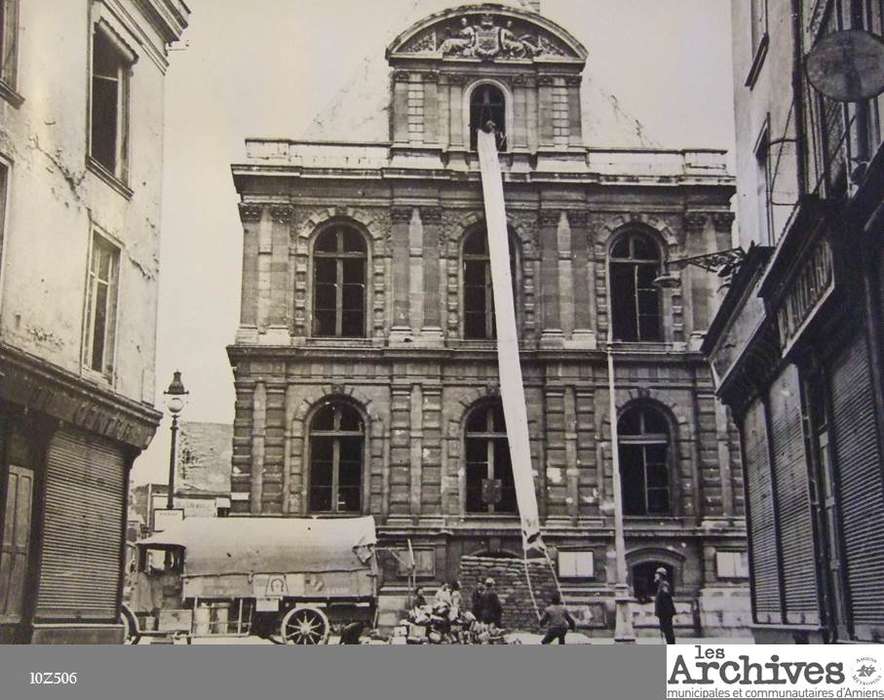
53 678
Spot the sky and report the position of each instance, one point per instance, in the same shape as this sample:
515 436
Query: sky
282 68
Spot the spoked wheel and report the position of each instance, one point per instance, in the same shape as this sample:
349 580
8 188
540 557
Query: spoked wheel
304 626
130 622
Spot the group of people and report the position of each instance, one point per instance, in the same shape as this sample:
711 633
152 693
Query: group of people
486 607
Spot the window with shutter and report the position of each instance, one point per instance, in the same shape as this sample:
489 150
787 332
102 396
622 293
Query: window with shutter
793 500
761 517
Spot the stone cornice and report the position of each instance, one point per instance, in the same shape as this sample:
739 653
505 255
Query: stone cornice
39 385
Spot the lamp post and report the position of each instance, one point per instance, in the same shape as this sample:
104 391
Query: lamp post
623 629
176 399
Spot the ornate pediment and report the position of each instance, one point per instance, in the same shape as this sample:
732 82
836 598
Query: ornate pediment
487 33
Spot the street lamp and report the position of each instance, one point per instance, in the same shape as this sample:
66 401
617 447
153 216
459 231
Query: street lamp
723 262
176 399
623 629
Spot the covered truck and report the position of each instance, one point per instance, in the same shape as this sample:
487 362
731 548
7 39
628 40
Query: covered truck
287 579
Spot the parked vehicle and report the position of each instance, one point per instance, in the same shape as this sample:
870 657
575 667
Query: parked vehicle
290 580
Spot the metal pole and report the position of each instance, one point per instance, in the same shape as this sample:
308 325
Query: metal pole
623 630
170 499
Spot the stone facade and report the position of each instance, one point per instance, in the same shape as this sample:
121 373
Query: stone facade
80 190
415 375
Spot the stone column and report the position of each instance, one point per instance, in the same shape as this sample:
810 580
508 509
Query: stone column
572 470
278 312
520 114
443 111
431 108
400 107
401 220
250 215
564 239
288 447
575 119
416 445
259 428
400 450
584 330
455 106
695 280
551 335
433 297
416 271
545 111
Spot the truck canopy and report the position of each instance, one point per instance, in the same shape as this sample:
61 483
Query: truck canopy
220 546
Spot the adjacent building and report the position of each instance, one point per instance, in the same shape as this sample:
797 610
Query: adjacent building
80 164
202 477
365 361
797 343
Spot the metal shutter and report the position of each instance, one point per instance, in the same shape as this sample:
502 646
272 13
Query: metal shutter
762 526
861 492
793 499
83 528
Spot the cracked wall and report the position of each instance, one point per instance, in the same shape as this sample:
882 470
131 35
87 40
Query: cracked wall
57 199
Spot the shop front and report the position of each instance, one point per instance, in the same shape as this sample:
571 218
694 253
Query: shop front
67 447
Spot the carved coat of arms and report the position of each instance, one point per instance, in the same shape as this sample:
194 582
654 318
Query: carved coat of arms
487 39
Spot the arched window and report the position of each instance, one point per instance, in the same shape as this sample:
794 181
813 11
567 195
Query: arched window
478 294
643 437
643 586
490 484
487 103
337 440
339 262
635 299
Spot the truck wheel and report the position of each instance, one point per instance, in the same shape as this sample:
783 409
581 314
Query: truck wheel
130 622
304 626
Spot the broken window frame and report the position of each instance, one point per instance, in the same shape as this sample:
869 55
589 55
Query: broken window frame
338 257
493 108
644 441
102 291
337 435
494 443
624 287
482 307
109 134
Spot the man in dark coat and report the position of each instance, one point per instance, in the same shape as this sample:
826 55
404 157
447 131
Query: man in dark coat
664 608
476 600
490 609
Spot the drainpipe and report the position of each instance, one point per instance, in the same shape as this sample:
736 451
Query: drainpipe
798 97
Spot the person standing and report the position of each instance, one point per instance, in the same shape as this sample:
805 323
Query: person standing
491 611
664 608
558 620
476 600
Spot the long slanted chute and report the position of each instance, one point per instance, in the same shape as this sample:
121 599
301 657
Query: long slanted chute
511 387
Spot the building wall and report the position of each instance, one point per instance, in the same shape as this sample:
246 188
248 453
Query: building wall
73 433
56 200
798 338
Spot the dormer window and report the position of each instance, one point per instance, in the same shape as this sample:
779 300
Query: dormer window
487 103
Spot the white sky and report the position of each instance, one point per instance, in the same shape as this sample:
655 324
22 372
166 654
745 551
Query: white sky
268 67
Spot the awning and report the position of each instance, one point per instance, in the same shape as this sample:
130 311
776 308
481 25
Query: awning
217 546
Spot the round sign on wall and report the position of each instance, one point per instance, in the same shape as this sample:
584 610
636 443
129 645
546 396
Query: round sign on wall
847 66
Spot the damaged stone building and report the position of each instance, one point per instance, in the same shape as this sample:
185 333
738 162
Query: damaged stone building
365 360
80 165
